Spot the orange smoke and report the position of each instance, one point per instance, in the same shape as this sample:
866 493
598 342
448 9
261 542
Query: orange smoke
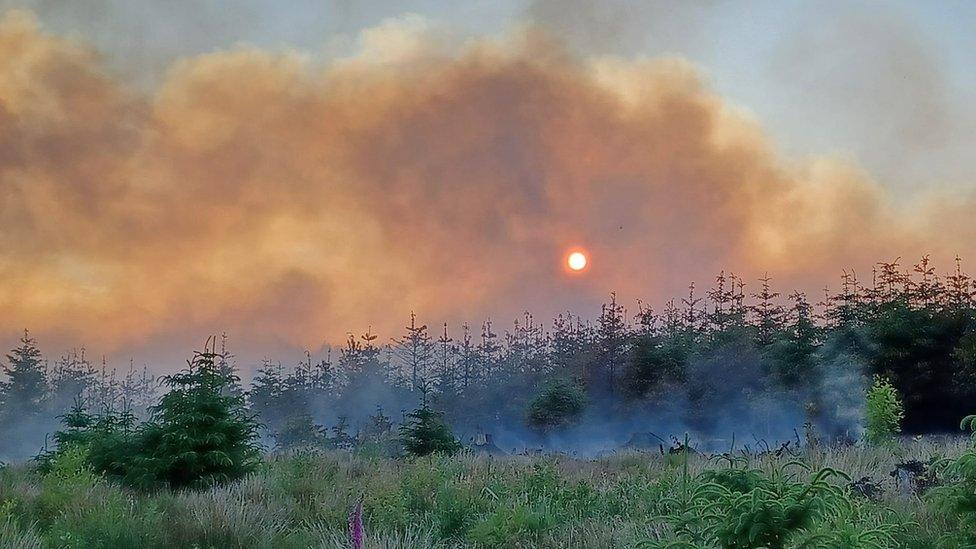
278 199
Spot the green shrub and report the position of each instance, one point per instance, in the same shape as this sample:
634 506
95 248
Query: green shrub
109 441
884 412
426 433
747 509
957 499
559 404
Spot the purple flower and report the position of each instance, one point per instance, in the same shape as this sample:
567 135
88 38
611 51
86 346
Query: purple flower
356 525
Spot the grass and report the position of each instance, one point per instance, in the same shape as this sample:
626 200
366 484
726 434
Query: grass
624 500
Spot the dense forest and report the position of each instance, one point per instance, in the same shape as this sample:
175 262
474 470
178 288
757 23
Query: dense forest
738 359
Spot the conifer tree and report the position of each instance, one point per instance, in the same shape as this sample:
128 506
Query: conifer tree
468 357
23 393
646 319
227 367
768 314
199 433
425 433
70 382
568 345
488 350
415 350
693 318
960 288
793 349
611 342
266 396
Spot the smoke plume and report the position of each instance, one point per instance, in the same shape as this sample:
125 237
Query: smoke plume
288 200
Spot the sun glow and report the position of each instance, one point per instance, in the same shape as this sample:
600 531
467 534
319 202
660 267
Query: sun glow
576 261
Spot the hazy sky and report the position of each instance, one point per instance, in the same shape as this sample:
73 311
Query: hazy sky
293 171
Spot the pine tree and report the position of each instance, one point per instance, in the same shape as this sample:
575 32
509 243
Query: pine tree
415 350
694 320
23 393
446 375
793 349
227 367
265 396
426 433
960 288
488 351
71 381
468 359
768 313
611 343
846 309
568 344
646 319
199 434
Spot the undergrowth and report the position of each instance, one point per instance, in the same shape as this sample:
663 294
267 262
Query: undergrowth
303 499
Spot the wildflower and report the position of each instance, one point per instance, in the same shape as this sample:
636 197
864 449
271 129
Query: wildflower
356 525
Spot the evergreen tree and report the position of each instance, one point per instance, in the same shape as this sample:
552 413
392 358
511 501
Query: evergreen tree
611 345
265 396
960 289
199 434
488 350
426 433
654 360
227 367
468 358
793 348
415 350
70 381
24 391
446 375
768 314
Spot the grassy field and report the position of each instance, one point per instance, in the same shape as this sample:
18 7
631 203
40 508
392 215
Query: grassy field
304 499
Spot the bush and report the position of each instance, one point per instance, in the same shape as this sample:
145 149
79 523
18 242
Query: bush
958 498
884 412
558 405
426 433
108 441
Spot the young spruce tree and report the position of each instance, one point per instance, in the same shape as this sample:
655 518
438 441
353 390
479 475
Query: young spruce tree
200 433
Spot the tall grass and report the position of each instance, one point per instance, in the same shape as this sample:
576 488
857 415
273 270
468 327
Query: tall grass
304 499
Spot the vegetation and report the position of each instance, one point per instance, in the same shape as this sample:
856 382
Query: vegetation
559 404
128 468
884 413
304 499
426 433
714 358
727 353
199 434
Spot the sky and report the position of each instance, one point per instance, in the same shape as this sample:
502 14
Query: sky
290 172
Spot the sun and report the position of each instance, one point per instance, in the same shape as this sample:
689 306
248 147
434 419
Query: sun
576 261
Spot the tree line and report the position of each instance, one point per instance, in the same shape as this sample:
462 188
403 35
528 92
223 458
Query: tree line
731 343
